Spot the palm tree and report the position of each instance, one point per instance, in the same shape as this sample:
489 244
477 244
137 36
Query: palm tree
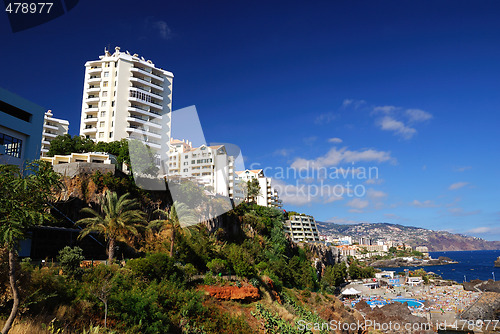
178 216
24 202
253 190
117 220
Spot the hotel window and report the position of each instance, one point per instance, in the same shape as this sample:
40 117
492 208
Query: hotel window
101 134
103 103
186 163
112 103
105 93
106 64
103 113
111 134
185 170
106 74
12 145
101 124
105 84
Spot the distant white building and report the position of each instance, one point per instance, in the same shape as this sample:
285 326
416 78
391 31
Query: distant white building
52 127
268 196
91 157
210 166
365 241
302 228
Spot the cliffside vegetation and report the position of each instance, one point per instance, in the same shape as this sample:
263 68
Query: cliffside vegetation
159 286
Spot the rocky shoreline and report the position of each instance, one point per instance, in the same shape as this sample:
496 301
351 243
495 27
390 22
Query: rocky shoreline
497 262
404 262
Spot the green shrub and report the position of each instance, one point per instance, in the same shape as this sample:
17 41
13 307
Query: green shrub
70 259
156 266
217 266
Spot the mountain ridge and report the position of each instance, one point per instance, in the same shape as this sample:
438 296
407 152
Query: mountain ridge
436 241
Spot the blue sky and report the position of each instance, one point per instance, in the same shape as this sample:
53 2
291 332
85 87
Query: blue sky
409 88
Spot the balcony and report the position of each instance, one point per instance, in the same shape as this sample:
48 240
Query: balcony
148 92
94 79
49 134
95 70
141 71
145 82
90 120
51 127
90 130
139 120
150 104
142 131
95 89
149 143
145 112
45 142
92 99
91 110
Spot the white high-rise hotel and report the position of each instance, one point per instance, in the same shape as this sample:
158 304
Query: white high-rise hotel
126 96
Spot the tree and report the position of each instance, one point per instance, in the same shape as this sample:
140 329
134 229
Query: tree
253 190
117 220
24 203
142 159
65 144
70 260
179 215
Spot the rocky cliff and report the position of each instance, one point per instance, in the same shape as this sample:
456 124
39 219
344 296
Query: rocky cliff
323 255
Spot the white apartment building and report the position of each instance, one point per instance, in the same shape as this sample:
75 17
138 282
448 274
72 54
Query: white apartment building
301 228
210 166
126 96
268 196
52 127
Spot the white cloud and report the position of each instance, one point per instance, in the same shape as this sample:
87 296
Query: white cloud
283 152
388 123
424 204
355 104
335 140
459 212
163 29
335 156
310 140
384 109
457 185
325 118
398 120
339 220
463 169
375 194
485 230
357 205
374 181
417 115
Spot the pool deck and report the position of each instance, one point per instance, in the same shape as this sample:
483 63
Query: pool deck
440 302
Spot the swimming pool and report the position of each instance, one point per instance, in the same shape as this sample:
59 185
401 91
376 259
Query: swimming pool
413 303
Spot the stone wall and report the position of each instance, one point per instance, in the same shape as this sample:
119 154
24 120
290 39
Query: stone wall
78 168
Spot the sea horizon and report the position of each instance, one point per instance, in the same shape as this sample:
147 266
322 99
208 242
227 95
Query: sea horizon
481 266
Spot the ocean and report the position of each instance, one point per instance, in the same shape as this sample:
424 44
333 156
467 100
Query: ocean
471 265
